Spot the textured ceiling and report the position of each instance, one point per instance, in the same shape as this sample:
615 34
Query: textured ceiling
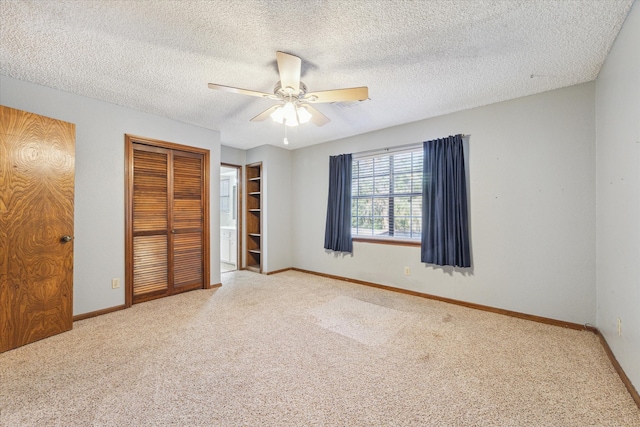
419 59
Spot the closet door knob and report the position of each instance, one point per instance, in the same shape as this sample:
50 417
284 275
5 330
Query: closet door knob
66 238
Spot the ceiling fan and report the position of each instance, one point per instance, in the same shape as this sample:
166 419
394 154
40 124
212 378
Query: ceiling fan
294 107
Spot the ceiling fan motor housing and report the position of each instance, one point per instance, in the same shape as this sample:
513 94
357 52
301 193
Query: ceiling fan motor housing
285 93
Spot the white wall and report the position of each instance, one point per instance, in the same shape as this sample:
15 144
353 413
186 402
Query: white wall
99 182
618 196
532 210
276 214
232 156
278 210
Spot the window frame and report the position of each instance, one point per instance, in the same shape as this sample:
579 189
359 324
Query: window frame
390 196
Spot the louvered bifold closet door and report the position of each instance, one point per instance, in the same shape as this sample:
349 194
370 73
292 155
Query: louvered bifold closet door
187 224
168 221
150 222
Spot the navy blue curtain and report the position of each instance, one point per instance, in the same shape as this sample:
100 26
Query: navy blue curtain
445 224
337 233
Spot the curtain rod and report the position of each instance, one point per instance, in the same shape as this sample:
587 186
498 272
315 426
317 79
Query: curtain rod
395 147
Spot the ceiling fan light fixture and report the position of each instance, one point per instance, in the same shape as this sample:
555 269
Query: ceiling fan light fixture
303 114
290 116
286 114
278 115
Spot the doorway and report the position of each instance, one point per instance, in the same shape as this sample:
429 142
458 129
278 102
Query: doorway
230 222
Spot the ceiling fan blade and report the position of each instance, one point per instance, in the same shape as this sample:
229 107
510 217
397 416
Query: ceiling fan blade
265 114
338 95
241 91
317 118
289 67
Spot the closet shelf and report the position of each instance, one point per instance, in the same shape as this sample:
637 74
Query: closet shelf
253 214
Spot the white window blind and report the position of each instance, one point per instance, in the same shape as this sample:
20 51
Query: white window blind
386 194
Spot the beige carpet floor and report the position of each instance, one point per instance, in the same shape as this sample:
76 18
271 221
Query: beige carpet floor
294 349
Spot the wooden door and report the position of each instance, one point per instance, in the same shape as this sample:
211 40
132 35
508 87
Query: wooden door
167 239
37 157
150 222
186 223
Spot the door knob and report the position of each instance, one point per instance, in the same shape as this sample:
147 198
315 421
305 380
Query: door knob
66 238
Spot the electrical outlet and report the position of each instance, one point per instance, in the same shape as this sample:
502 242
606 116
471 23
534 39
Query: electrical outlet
115 283
619 327
407 271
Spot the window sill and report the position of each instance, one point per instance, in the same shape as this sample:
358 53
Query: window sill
386 241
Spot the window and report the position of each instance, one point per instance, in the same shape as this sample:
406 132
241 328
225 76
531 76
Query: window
386 194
